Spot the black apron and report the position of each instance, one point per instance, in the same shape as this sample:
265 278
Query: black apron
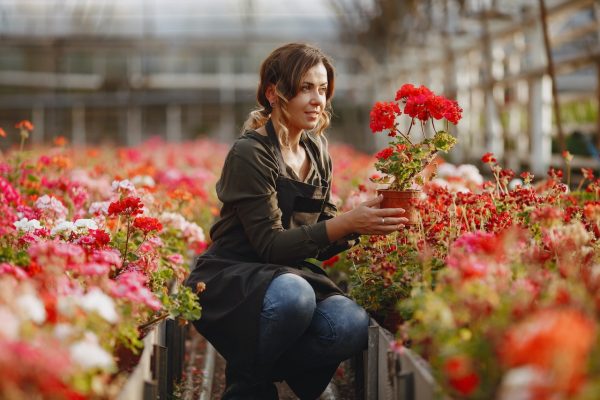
236 280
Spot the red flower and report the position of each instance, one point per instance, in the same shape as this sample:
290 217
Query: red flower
331 262
555 173
101 238
587 173
385 154
460 375
147 224
126 206
488 158
383 116
451 111
24 124
557 342
2 132
406 90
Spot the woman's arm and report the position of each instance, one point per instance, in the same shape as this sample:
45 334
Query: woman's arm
366 219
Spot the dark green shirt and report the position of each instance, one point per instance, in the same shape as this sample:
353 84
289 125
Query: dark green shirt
247 190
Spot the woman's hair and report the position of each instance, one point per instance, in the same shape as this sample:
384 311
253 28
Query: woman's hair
284 68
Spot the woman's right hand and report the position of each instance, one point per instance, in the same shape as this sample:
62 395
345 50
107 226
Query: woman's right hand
366 219
369 219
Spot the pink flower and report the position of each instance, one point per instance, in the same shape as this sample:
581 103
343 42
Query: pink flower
17 272
8 192
93 269
56 254
109 256
132 286
176 259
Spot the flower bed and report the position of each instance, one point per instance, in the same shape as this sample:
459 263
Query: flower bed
497 287
94 245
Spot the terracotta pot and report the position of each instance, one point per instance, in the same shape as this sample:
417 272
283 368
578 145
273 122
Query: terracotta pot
405 199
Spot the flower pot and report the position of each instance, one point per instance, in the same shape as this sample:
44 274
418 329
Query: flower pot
405 199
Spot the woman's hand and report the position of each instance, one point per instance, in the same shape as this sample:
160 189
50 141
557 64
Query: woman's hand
369 219
366 219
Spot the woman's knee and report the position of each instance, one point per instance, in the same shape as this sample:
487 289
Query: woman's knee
289 296
350 323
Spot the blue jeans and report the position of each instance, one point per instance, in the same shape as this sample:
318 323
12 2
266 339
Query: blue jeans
296 330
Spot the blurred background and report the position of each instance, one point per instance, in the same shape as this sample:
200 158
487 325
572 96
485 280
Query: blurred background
526 72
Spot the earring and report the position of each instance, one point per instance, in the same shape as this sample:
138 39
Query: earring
273 104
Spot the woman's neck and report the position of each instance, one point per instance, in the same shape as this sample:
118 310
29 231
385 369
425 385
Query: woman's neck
294 135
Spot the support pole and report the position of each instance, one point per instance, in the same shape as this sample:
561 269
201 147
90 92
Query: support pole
550 63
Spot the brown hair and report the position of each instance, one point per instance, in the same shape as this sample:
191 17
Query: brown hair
284 68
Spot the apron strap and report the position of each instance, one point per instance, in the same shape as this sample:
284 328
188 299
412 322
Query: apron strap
275 141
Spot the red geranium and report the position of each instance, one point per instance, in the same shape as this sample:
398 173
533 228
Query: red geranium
488 158
24 124
385 154
421 105
383 116
460 375
147 224
126 206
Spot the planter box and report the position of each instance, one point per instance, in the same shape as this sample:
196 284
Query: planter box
392 376
160 365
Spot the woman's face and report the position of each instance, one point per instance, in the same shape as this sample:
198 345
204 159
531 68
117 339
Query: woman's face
305 108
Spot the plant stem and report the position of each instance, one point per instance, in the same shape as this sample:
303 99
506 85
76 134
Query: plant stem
412 121
405 137
127 240
152 321
22 144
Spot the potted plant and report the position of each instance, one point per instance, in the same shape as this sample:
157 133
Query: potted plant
405 159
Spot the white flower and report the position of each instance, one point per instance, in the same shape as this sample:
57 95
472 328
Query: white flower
88 353
440 182
446 169
191 231
63 331
26 225
51 203
514 183
518 382
143 180
31 308
63 227
96 301
9 328
99 207
66 305
123 186
86 223
470 173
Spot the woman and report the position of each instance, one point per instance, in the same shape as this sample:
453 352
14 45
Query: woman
272 315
